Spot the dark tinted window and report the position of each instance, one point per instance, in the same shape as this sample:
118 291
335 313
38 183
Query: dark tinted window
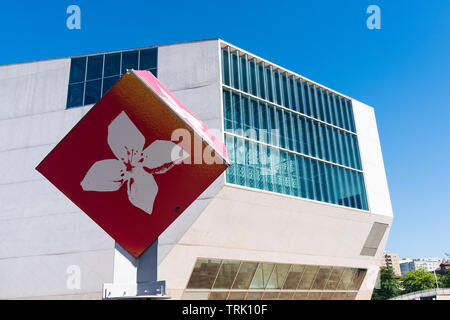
75 95
112 64
77 69
94 67
129 60
93 90
148 59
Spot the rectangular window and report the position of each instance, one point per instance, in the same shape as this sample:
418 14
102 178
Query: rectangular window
129 61
77 70
94 67
148 59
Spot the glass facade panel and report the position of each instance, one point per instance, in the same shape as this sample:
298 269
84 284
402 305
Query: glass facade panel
148 59
300 296
307 278
253 295
75 95
204 274
237 295
334 278
77 70
270 296
312 150
94 67
293 277
321 278
93 91
218 295
213 278
245 275
226 275
98 73
130 60
278 276
112 64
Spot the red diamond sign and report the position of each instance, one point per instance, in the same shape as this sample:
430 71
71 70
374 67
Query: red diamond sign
136 161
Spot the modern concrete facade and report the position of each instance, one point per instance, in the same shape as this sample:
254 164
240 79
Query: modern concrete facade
44 234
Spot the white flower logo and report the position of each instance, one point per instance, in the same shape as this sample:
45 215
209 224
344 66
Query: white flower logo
133 165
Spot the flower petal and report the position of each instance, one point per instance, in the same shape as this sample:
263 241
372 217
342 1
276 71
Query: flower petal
104 175
161 152
124 137
142 190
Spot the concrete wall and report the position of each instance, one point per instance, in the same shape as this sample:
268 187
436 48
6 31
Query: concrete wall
242 224
191 71
42 233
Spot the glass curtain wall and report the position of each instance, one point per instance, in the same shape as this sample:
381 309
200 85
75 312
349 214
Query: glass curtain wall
234 279
289 136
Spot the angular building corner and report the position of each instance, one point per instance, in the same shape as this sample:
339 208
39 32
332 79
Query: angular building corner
303 213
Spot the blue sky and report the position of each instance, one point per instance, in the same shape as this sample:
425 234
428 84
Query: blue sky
402 70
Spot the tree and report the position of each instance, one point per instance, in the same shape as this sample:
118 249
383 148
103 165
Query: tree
445 281
389 285
417 280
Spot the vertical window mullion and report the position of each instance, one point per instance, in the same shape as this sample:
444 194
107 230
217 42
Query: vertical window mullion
345 114
351 115
316 103
229 66
239 72
295 94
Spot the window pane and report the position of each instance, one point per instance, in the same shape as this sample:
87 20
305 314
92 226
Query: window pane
357 279
294 277
75 95
94 67
244 72
129 60
205 271
218 295
254 295
226 66
234 70
93 91
327 296
335 276
237 295
245 275
286 296
257 282
148 59
321 278
77 69
108 83
307 278
313 296
227 273
112 64
270 296
300 295
346 278
278 276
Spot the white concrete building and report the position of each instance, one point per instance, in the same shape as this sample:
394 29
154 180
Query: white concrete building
303 213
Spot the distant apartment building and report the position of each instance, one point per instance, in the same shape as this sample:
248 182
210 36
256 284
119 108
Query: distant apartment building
392 260
429 264
444 267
